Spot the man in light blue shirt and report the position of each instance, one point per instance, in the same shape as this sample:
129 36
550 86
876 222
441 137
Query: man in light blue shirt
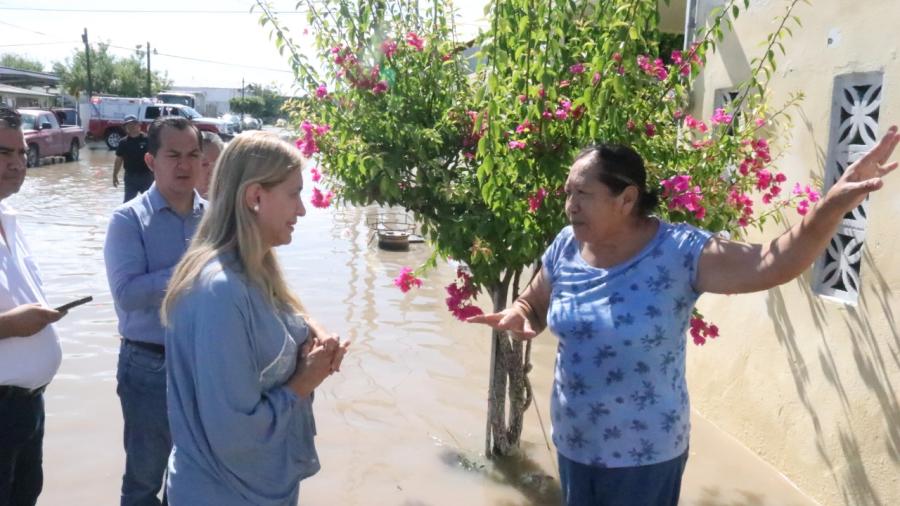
147 236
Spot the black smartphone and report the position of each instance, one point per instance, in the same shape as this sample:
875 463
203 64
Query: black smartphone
74 303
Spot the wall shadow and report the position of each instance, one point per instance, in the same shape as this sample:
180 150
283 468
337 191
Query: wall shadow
876 357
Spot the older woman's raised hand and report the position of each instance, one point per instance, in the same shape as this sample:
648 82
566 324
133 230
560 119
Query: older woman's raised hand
865 175
510 319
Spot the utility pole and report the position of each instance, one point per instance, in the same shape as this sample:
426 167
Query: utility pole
242 99
87 55
149 90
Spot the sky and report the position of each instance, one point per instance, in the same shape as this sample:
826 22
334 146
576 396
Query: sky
218 44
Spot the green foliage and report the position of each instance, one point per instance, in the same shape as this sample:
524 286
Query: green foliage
270 99
253 106
465 152
112 75
16 61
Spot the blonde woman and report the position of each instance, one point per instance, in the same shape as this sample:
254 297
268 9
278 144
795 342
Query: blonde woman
242 362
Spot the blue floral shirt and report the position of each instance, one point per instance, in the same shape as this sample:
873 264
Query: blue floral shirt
619 393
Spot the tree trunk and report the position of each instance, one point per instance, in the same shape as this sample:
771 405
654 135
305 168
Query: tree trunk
509 392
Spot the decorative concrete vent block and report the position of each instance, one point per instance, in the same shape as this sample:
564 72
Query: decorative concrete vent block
854 131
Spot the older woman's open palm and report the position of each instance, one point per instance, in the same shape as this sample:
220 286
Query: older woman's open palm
865 175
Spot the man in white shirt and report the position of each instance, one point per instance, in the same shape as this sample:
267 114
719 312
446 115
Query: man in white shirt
29 347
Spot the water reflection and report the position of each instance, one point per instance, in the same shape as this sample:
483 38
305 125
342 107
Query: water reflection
402 424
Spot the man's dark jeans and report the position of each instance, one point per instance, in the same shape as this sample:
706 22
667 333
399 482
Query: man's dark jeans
21 447
142 392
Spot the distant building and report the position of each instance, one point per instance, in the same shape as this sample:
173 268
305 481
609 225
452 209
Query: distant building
26 88
211 101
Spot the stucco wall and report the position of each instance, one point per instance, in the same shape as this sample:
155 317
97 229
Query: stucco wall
810 384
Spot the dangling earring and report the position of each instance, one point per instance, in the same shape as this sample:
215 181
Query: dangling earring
255 208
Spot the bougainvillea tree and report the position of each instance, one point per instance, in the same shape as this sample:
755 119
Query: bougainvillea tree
475 137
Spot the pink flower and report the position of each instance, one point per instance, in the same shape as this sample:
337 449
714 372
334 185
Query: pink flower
564 83
760 122
446 57
812 194
662 73
803 207
720 117
307 146
547 115
321 200
413 39
315 175
596 78
407 280
629 125
650 129
380 87
676 57
617 57
701 331
516 144
565 105
535 201
524 127
578 68
541 92
389 47
681 196
460 291
522 99
321 91
561 114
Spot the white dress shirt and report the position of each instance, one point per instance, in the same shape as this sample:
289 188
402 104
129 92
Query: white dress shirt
27 362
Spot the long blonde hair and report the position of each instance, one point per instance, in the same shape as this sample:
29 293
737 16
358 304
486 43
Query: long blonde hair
229 225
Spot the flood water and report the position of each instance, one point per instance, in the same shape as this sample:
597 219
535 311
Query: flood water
403 422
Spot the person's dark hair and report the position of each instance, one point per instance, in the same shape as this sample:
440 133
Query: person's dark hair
619 167
154 133
9 118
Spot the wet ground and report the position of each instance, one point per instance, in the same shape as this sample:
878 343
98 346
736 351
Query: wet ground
402 424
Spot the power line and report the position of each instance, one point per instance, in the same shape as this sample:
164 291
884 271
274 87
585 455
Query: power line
201 60
41 43
23 28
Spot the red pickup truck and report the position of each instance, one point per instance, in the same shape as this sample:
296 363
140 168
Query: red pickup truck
106 123
45 137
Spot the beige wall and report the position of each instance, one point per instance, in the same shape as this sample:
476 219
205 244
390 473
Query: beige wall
810 384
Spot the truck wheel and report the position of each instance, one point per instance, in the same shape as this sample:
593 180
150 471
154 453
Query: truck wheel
74 151
113 137
34 156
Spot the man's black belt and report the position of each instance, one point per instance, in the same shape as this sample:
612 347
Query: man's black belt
14 392
155 348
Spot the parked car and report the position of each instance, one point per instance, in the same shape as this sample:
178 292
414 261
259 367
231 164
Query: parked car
45 137
251 123
234 120
113 130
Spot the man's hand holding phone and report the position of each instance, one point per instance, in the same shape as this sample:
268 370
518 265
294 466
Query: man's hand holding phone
27 320
74 303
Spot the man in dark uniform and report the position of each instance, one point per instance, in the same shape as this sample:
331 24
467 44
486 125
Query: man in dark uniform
131 151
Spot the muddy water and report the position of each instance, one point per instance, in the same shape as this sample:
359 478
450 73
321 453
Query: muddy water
402 423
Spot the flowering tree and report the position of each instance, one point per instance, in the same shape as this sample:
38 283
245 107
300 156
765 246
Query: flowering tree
397 116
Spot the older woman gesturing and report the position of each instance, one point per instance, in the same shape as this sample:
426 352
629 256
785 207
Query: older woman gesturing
618 287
